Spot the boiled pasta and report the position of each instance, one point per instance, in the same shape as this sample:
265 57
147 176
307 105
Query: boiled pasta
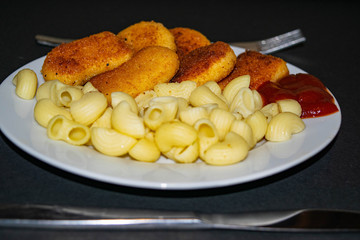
234 87
283 126
187 154
180 121
244 130
43 90
104 120
207 135
88 87
111 142
203 95
145 150
26 83
174 134
222 120
61 128
258 123
232 150
182 89
88 108
270 110
68 94
125 121
45 110
117 97
290 105
192 114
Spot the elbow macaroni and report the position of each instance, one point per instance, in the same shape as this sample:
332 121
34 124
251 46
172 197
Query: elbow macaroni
26 83
178 120
61 128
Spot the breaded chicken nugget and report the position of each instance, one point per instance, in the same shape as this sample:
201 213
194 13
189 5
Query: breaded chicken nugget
76 62
260 67
148 67
147 33
187 39
208 63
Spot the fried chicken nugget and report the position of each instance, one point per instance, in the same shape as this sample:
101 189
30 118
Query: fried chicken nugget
148 67
208 63
187 39
76 62
147 33
260 67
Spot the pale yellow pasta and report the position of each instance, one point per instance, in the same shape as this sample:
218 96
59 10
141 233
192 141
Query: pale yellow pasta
126 121
26 83
45 110
283 126
222 120
43 90
243 102
237 115
174 134
244 130
234 86
104 120
207 135
88 87
257 100
203 95
192 114
270 110
155 116
210 106
161 110
55 87
214 87
88 108
117 97
182 105
258 123
188 154
145 150
61 128
182 89
68 94
290 105
143 100
110 142
170 105
232 150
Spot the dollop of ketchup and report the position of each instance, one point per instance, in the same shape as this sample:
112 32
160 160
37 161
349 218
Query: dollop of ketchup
309 91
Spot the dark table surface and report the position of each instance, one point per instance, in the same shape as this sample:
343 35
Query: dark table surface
331 179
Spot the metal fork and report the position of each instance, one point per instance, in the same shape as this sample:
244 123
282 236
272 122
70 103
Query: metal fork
265 46
274 44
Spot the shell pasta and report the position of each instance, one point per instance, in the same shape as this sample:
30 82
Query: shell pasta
181 121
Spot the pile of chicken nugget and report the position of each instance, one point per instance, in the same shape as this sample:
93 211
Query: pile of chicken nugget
148 53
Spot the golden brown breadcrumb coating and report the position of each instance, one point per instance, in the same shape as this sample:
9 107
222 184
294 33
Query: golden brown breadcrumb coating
76 62
147 33
187 39
260 67
148 67
208 63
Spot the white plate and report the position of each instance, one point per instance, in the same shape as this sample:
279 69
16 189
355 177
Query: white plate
18 124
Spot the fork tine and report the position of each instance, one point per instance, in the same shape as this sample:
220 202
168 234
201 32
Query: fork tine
282 41
274 44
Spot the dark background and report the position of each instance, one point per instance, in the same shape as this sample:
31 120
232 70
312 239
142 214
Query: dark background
331 179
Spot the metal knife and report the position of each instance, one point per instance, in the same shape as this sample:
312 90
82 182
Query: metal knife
52 216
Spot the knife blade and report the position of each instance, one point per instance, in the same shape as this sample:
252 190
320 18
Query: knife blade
53 216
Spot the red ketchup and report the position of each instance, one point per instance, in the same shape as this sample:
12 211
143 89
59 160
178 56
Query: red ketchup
309 91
